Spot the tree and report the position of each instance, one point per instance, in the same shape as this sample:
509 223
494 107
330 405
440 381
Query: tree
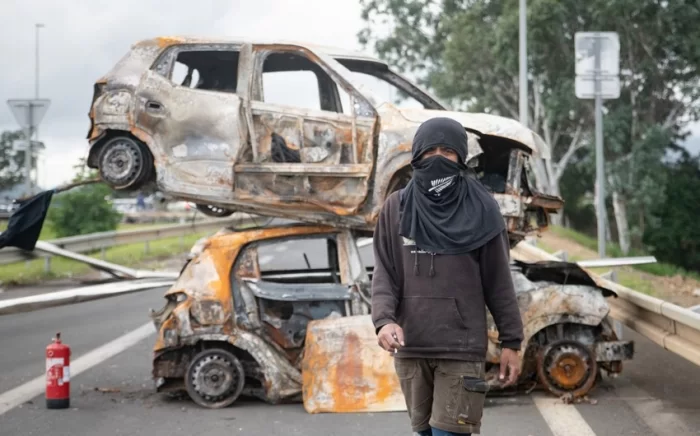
673 234
467 51
11 161
85 209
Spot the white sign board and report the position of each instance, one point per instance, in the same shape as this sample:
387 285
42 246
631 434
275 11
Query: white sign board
609 87
29 112
21 145
585 44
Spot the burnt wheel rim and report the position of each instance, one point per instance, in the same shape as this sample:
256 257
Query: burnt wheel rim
122 162
567 367
215 379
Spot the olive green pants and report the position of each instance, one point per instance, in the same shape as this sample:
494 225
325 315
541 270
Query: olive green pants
445 394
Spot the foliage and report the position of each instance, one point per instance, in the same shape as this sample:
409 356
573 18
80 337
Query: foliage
674 235
664 266
82 210
11 161
467 52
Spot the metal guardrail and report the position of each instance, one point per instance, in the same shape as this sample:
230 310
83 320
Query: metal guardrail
103 240
674 328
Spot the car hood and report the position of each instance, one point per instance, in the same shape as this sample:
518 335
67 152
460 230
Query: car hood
486 124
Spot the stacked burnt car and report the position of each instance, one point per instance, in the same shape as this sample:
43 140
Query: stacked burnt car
198 118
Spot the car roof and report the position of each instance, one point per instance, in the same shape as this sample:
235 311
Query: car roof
335 52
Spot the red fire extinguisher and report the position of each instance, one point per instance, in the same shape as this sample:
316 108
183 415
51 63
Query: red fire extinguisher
57 374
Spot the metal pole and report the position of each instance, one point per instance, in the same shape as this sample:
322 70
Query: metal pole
600 176
34 130
28 152
36 75
523 63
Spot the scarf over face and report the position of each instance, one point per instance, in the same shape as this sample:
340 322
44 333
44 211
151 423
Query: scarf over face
444 210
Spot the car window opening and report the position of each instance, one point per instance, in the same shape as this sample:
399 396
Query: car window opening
215 70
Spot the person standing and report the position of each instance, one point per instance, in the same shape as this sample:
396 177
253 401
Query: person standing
441 256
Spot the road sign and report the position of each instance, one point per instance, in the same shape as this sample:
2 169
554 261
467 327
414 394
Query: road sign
597 77
29 112
585 48
21 145
609 87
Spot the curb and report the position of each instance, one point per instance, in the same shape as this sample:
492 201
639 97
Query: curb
79 295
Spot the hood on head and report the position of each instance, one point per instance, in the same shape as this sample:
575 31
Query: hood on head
443 132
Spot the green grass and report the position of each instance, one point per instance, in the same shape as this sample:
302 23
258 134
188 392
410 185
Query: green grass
23 273
613 250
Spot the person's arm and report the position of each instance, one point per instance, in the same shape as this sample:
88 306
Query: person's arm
499 291
385 283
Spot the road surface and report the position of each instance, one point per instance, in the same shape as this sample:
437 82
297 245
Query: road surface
658 393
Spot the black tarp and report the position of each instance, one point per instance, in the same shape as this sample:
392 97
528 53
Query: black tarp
25 223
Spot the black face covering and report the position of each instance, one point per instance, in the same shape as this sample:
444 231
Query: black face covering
444 210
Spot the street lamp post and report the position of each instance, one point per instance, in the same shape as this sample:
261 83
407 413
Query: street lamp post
523 63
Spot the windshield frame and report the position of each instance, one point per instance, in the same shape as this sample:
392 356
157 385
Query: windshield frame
382 72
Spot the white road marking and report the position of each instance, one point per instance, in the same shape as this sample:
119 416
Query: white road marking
562 419
264 260
29 390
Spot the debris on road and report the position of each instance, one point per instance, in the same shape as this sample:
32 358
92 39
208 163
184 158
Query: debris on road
108 390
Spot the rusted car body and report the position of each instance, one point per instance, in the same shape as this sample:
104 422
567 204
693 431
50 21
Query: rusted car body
236 320
216 137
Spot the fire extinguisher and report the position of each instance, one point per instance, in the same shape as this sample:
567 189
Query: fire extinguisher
57 374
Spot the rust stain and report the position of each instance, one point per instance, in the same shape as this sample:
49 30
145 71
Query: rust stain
350 391
167 41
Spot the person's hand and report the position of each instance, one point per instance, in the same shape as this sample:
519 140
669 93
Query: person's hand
510 361
390 337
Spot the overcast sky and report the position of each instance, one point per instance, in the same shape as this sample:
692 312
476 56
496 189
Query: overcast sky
83 39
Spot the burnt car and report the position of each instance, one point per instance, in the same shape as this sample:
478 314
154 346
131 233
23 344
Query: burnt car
292 130
235 321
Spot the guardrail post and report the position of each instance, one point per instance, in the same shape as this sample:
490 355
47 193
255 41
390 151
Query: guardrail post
47 264
103 253
182 242
147 248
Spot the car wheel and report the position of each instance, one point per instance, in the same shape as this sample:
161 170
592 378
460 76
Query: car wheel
125 163
567 367
214 378
214 211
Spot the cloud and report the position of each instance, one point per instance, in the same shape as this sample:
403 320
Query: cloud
83 39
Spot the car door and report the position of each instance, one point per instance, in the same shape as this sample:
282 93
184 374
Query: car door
189 106
310 149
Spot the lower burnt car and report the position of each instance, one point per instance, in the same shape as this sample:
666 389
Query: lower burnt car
235 320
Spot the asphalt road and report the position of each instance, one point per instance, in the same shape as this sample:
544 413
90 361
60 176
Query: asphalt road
658 393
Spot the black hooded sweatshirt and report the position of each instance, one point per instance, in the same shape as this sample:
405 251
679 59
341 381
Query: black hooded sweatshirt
442 256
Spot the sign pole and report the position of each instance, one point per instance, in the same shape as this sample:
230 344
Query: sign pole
28 150
600 169
597 77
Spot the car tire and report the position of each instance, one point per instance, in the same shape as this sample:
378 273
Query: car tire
125 163
214 378
567 368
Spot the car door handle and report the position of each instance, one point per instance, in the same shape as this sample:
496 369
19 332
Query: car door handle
154 106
